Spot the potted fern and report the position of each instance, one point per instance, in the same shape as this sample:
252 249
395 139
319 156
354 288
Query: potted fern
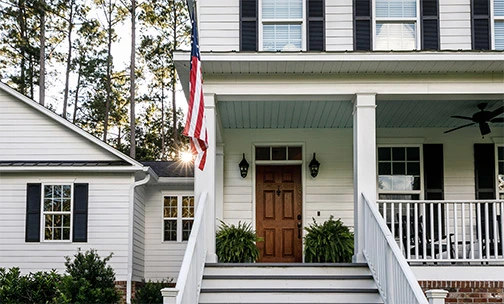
330 242
237 244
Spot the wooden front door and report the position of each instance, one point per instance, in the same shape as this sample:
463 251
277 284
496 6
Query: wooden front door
278 213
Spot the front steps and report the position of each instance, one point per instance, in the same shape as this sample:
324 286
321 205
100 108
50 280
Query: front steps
288 283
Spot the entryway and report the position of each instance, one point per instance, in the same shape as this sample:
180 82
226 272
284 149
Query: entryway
279 213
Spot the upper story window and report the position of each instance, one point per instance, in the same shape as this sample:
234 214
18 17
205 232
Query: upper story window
282 25
396 25
487 18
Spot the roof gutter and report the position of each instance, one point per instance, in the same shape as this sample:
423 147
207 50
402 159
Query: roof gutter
149 173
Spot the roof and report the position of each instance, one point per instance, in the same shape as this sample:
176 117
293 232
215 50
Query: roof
171 168
125 160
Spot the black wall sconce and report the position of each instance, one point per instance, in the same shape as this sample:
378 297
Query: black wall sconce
244 165
314 166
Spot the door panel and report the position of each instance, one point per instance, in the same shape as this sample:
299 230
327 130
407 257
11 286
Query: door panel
278 195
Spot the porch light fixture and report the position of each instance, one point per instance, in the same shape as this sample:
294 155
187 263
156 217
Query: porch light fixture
244 165
314 166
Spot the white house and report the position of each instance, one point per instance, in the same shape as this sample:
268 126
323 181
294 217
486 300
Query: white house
370 88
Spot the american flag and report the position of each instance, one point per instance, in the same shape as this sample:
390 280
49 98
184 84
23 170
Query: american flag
195 127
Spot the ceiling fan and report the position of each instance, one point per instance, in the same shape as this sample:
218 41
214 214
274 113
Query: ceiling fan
482 118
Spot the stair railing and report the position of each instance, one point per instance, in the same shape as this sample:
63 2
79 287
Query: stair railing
188 286
393 276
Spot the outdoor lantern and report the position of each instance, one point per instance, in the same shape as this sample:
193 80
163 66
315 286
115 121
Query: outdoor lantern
244 165
314 166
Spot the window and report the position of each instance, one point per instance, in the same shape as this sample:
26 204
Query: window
279 153
178 217
399 173
57 215
396 24
500 171
487 18
282 25
499 24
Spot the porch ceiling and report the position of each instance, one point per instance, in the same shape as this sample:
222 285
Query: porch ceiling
285 114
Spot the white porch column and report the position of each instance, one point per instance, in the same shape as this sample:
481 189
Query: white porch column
364 149
205 180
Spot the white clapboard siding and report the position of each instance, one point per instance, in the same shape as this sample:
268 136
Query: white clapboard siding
162 259
27 134
108 226
219 25
339 25
139 234
455 24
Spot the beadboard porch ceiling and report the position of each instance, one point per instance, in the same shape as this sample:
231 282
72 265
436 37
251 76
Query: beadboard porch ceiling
338 114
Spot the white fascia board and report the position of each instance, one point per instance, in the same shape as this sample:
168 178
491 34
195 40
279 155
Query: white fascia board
175 181
74 169
137 166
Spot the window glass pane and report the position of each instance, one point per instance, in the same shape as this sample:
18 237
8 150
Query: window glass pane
396 8
279 153
262 153
385 182
57 191
413 153
416 183
409 197
384 154
67 191
186 229
170 230
398 168
188 206
170 206
281 37
413 168
295 153
499 8
500 153
499 35
395 36
282 9
384 169
48 191
398 154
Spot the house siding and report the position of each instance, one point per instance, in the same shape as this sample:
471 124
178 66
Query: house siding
162 259
219 25
339 25
26 134
139 234
455 24
108 226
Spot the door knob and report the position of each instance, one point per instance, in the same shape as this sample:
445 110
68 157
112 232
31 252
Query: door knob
299 225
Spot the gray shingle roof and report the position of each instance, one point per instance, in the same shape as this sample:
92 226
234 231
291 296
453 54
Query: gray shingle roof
171 168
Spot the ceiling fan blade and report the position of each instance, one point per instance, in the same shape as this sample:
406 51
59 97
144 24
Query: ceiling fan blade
454 129
484 128
462 117
497 112
498 119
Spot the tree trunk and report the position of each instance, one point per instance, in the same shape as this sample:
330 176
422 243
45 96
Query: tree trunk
69 59
163 143
74 118
108 84
22 34
133 82
42 52
173 80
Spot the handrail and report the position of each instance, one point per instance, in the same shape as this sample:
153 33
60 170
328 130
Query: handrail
395 280
191 270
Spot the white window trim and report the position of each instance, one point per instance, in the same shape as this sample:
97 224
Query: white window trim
416 20
43 213
261 22
179 195
494 19
419 192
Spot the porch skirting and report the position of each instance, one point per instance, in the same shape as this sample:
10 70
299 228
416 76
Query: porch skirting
468 291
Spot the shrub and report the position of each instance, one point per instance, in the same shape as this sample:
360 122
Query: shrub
39 287
150 292
237 244
89 280
331 242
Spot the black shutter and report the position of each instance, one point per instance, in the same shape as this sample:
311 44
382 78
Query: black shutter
80 212
480 19
484 171
315 25
430 24
33 205
248 25
434 185
362 25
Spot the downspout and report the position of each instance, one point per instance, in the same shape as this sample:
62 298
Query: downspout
130 231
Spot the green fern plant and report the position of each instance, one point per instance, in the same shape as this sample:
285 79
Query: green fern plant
237 244
330 242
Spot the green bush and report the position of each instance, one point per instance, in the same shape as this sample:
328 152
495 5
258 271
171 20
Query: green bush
150 292
237 244
331 242
39 287
89 280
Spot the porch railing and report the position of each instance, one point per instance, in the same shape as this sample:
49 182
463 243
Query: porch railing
395 280
188 285
448 230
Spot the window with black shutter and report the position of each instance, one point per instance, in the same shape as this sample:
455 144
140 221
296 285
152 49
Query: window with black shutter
33 199
248 25
315 25
430 24
362 25
80 212
480 18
